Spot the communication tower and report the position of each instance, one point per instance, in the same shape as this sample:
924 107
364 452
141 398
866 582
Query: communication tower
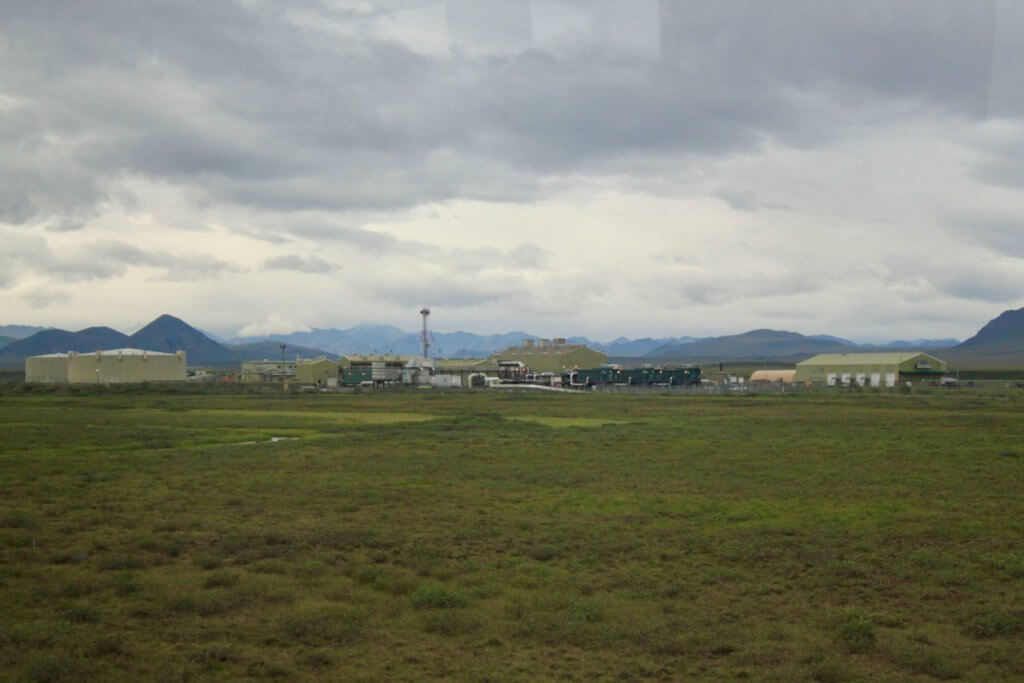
425 334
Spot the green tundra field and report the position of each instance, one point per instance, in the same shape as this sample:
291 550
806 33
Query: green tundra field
409 535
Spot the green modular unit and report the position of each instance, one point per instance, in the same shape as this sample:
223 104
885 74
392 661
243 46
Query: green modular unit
634 376
594 377
355 376
669 376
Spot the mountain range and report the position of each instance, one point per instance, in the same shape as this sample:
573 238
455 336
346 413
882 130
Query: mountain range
1000 343
166 333
390 339
19 331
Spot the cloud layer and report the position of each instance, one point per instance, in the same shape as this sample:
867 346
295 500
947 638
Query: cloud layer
674 167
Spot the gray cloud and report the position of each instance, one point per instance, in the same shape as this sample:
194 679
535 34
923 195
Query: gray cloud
738 200
42 297
242 104
1002 233
300 264
253 117
525 256
99 260
993 283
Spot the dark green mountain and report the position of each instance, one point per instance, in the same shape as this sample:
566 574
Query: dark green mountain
1005 332
999 344
754 345
170 334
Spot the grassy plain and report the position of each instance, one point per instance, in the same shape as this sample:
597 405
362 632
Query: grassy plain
493 537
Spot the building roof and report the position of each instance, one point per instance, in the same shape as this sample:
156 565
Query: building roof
109 352
376 357
864 358
552 350
468 363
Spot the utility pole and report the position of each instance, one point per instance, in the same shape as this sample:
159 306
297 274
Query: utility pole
284 380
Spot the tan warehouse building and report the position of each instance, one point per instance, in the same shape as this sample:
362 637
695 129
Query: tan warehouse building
323 372
555 356
869 369
115 366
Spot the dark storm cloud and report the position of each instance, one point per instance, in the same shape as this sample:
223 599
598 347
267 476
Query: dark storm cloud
238 103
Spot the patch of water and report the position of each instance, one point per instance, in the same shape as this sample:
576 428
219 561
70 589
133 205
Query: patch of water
273 439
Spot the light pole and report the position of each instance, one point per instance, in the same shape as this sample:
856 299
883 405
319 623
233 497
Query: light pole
284 381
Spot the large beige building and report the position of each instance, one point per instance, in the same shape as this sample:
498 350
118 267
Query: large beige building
546 355
106 367
869 369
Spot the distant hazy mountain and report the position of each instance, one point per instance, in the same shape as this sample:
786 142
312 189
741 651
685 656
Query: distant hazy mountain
895 344
753 345
20 331
271 350
59 341
389 339
166 333
4 341
914 344
829 337
623 347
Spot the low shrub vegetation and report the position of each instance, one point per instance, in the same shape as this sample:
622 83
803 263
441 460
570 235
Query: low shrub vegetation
148 534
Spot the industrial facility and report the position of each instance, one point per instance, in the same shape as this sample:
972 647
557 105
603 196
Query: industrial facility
553 356
869 369
268 370
377 369
535 363
106 367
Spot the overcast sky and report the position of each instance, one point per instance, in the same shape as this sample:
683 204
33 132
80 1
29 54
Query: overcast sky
564 167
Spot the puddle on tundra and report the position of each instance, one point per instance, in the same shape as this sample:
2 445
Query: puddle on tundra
273 439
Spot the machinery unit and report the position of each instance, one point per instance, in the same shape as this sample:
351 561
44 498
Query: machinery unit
643 376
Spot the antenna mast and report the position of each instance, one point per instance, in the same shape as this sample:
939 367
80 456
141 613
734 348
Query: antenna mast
425 335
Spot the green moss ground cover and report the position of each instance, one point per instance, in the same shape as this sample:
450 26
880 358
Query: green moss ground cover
428 535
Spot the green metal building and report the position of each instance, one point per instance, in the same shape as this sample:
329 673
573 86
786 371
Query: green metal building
869 369
380 369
